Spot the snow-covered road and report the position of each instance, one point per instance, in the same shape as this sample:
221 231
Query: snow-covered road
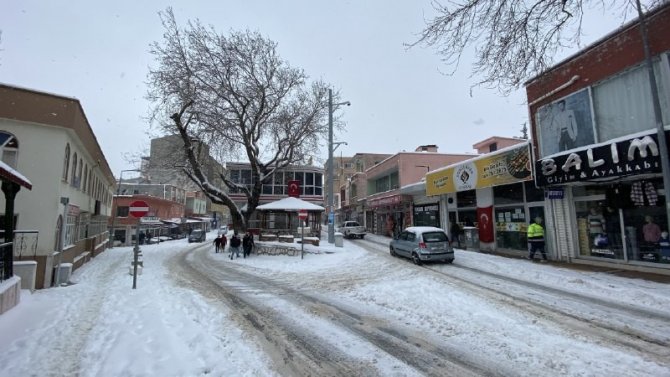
344 311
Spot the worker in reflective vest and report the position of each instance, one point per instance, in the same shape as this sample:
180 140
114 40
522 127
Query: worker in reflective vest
536 239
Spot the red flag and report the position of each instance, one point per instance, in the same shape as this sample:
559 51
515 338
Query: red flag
485 223
294 189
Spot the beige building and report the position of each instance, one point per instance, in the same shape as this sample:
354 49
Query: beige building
48 139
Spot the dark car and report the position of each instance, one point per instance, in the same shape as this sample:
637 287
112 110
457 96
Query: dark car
197 235
423 244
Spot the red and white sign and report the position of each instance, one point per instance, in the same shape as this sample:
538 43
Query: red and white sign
302 214
294 189
138 208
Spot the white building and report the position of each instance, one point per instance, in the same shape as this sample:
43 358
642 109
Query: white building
48 139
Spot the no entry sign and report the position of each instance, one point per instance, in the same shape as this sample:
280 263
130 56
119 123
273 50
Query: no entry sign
302 214
138 208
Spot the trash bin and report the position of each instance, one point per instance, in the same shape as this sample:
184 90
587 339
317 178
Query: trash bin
471 234
339 239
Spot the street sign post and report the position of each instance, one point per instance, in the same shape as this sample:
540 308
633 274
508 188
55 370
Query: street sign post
139 209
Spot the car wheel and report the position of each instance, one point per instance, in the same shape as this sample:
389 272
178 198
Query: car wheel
392 251
449 261
416 259
362 235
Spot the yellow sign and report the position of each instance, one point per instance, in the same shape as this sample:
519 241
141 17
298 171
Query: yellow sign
508 166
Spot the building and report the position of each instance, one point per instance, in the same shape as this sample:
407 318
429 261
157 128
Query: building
490 196
308 177
166 212
596 151
48 138
352 185
387 209
163 166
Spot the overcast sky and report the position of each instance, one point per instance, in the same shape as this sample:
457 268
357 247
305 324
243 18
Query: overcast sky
98 52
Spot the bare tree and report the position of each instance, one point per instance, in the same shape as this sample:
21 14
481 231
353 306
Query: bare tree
513 40
236 95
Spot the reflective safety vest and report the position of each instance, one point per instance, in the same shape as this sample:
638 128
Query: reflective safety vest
535 232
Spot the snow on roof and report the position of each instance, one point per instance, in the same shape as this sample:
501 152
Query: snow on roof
10 173
290 204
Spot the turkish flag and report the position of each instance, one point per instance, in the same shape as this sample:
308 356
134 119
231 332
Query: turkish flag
485 223
294 189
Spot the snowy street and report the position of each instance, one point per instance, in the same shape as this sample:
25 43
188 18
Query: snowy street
346 311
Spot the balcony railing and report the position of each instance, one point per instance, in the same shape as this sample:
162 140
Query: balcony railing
24 246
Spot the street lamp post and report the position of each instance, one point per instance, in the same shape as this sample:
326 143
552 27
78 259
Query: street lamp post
331 212
114 209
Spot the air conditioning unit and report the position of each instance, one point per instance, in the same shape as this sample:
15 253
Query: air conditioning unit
65 273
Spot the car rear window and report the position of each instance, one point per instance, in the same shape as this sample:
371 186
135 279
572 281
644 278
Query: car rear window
435 237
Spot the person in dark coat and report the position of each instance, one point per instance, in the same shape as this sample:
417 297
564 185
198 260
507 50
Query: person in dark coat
247 244
456 231
235 243
217 244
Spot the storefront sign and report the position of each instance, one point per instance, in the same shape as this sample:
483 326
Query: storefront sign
386 201
498 168
638 155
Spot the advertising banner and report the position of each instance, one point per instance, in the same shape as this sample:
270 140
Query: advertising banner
508 166
638 154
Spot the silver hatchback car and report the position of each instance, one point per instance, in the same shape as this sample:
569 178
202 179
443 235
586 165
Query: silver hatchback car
423 244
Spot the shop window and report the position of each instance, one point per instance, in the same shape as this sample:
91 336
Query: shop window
508 194
511 226
466 199
533 194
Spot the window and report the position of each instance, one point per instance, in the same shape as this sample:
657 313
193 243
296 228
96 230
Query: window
466 198
508 194
81 166
83 185
66 162
623 104
122 211
74 170
493 147
10 148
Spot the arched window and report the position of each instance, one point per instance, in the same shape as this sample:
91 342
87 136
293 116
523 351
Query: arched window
83 183
81 166
10 148
66 162
73 182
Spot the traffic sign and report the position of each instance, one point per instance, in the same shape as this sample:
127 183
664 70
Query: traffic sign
138 208
302 214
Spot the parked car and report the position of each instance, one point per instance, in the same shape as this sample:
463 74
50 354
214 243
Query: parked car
351 229
423 244
197 235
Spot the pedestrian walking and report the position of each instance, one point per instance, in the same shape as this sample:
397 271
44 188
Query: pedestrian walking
247 244
217 244
536 239
234 245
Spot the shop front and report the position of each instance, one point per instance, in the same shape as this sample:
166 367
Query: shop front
493 194
618 200
391 213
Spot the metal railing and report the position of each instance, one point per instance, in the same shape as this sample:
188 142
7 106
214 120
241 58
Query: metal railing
25 243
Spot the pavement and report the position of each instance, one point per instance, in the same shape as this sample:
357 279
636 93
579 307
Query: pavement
612 270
